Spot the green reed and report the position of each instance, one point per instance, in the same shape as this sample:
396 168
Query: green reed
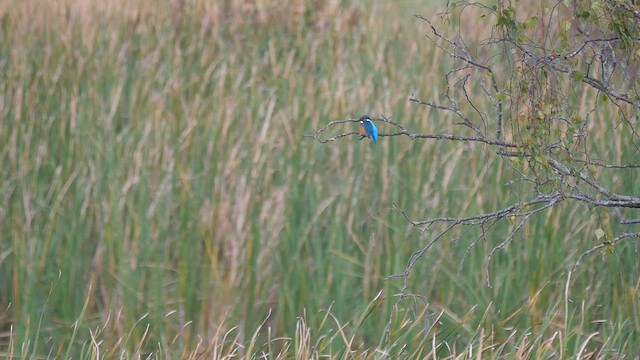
159 197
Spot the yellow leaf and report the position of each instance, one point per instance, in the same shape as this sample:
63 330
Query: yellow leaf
609 248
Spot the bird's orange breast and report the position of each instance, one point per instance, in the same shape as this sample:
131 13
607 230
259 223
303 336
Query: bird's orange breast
362 132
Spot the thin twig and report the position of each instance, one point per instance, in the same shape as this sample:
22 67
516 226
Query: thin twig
613 242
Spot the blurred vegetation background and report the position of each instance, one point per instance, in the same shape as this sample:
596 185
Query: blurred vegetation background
159 198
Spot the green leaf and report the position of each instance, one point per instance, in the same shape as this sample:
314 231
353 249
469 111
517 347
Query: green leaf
501 97
585 15
597 6
578 75
603 98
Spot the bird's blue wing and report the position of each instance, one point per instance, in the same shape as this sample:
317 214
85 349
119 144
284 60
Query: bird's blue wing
374 132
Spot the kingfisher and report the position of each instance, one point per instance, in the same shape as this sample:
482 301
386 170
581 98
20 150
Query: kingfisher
368 128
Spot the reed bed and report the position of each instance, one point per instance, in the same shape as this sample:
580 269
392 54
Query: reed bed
159 198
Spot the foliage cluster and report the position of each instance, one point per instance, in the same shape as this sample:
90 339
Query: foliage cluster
158 198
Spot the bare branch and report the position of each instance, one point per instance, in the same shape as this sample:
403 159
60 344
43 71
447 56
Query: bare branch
466 121
625 221
608 165
606 244
517 210
612 199
465 138
611 92
525 217
630 203
333 138
467 58
405 132
587 42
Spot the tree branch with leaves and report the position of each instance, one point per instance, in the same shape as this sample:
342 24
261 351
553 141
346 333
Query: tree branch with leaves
533 69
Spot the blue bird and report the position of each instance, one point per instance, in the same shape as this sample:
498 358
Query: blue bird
370 129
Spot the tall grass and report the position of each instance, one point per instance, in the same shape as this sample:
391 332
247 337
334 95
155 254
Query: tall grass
158 196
